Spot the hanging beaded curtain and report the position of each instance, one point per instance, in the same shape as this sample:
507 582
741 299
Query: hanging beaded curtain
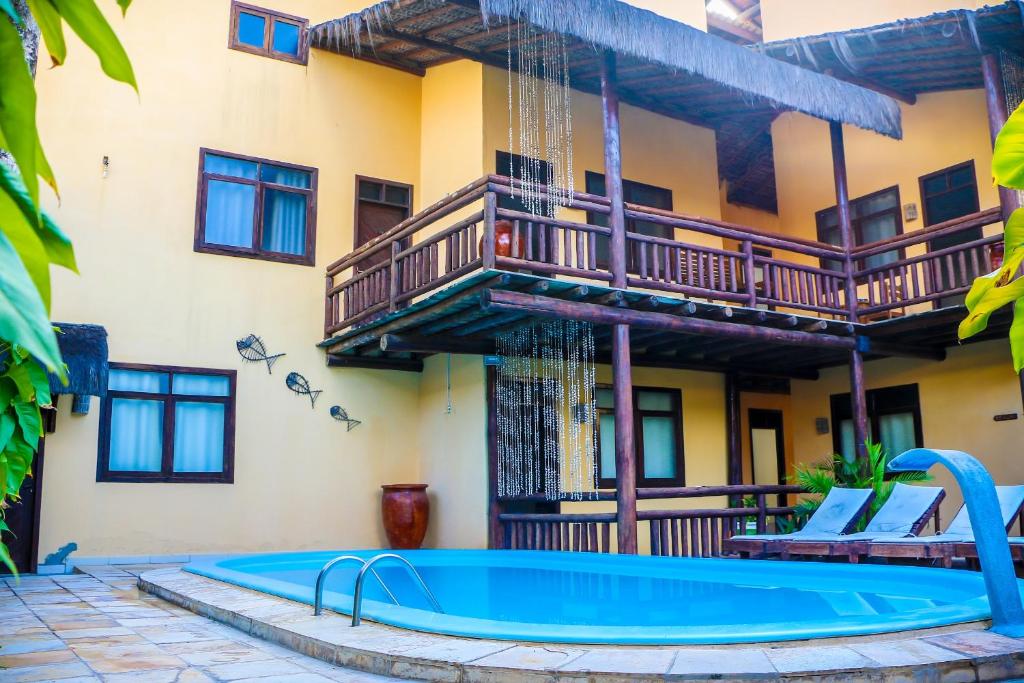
1012 67
538 87
545 411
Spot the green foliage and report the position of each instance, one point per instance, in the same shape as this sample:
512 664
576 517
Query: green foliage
24 387
860 473
1002 287
30 242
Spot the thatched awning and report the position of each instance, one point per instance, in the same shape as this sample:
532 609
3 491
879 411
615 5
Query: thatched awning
908 57
663 65
84 348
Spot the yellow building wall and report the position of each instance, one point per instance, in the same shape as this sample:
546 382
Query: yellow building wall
655 149
301 480
959 397
941 130
454 450
452 129
784 19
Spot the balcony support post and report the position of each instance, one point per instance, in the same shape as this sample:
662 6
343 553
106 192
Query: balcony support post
995 100
622 371
490 212
858 398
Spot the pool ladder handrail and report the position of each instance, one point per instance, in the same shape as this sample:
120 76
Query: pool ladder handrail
318 595
367 568
357 598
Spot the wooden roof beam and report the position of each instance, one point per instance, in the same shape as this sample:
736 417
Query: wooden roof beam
403 364
547 307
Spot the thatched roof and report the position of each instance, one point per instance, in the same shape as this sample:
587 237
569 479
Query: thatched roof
84 348
941 51
664 66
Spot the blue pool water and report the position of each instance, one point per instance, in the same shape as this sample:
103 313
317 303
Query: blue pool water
592 598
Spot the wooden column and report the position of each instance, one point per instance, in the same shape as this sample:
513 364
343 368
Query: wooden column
622 373
733 432
857 392
995 100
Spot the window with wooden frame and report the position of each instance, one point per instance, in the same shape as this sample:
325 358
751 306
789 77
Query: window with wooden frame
161 423
894 420
268 33
380 206
255 208
633 193
874 217
658 427
945 195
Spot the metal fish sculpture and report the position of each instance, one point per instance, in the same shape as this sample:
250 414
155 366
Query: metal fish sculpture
300 385
253 350
339 414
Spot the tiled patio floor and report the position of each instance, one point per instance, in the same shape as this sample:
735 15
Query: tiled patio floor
98 627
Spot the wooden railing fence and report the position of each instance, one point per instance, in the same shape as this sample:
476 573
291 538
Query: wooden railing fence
423 253
680 532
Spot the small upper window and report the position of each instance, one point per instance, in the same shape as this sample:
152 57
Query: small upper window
255 208
269 33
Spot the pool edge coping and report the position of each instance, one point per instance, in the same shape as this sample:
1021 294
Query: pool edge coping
386 650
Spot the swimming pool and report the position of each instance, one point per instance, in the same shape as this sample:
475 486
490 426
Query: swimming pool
596 598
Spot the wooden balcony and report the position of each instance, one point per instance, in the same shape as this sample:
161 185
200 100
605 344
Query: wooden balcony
711 297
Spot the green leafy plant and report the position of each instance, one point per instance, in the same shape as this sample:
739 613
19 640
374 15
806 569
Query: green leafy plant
30 241
1003 286
861 473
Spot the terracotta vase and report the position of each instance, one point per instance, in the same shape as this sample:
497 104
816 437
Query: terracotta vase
405 510
503 240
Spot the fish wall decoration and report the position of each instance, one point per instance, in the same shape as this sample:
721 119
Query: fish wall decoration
253 350
300 385
339 414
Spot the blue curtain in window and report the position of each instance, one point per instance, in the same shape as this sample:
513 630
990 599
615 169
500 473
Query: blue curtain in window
201 385
136 434
606 424
230 208
897 433
659 447
198 437
284 222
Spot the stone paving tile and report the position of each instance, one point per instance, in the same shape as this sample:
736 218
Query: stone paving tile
753 662
622 661
904 652
240 670
978 643
801 659
75 670
98 626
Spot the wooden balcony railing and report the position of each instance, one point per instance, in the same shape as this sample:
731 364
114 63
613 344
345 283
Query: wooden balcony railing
933 274
456 236
679 533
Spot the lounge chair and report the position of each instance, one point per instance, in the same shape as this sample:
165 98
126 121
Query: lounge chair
956 541
905 513
838 514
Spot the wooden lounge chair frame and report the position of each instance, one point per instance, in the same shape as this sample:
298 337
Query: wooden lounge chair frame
938 553
762 547
853 551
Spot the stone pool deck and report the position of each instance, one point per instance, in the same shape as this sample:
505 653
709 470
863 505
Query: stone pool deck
961 653
97 626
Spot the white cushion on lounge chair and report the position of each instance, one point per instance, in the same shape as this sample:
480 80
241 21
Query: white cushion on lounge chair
959 530
840 507
894 520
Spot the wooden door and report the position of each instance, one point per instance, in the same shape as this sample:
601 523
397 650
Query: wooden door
767 448
22 518
945 195
380 206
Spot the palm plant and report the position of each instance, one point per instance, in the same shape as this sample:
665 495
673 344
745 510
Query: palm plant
819 478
